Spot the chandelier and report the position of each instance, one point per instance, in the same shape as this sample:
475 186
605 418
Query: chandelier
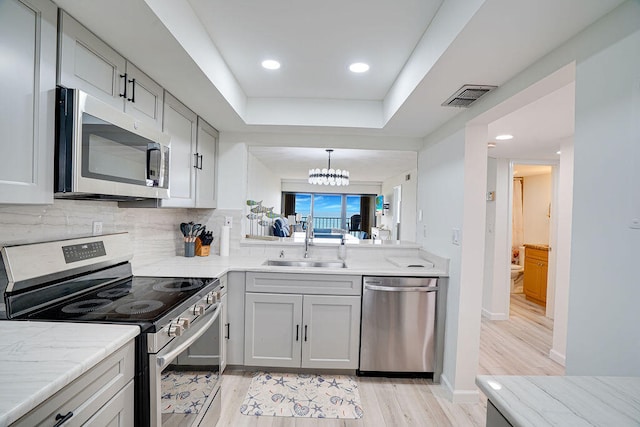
328 176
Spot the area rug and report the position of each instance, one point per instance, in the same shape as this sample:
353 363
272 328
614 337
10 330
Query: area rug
302 395
184 392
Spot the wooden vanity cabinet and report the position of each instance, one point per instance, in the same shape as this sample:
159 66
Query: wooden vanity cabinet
536 265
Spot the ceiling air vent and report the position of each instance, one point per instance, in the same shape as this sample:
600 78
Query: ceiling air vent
466 95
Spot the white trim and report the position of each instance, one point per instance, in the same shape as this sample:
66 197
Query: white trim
458 396
494 316
558 357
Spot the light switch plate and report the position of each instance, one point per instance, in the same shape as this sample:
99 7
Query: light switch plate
455 236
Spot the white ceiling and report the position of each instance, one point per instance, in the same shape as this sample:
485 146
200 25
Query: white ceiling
207 54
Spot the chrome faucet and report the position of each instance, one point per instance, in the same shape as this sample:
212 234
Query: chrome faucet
308 236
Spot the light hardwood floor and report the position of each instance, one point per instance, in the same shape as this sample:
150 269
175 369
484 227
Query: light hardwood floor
516 347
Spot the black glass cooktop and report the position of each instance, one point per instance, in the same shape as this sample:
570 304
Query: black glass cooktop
141 300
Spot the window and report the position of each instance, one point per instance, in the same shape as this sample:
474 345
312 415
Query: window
332 211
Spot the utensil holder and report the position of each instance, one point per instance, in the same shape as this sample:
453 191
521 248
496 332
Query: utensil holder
189 249
202 250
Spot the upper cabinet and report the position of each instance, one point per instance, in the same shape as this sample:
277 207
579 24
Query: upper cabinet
28 43
89 64
194 147
207 154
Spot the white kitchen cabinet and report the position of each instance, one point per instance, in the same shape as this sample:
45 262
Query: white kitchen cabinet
273 325
224 324
89 64
235 318
181 123
102 396
27 107
331 333
206 157
301 330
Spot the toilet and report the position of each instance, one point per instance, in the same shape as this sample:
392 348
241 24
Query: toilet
517 273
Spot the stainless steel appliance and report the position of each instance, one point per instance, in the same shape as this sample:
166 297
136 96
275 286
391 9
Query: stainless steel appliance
398 332
103 153
90 280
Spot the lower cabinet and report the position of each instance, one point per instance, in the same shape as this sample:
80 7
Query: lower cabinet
536 266
308 331
103 396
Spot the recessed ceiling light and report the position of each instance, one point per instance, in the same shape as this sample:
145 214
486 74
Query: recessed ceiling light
558 152
270 64
491 145
504 137
359 67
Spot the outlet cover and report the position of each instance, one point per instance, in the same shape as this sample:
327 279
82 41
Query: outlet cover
228 221
97 228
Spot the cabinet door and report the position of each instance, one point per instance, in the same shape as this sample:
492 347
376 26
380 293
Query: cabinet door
331 331
272 330
117 412
181 124
235 322
89 64
27 82
144 97
207 165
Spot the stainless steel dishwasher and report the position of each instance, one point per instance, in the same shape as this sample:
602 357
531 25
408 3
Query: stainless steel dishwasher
398 333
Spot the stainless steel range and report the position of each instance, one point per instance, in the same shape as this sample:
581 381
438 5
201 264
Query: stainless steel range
90 280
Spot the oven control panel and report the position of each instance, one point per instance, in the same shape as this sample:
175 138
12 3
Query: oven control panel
83 251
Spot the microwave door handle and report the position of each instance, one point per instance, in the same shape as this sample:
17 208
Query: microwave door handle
165 359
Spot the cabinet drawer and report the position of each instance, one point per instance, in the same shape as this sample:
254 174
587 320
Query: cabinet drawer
303 283
88 393
538 254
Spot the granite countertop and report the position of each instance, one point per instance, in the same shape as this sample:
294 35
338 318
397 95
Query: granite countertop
38 359
216 266
564 401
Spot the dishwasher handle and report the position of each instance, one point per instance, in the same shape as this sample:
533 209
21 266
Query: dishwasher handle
401 288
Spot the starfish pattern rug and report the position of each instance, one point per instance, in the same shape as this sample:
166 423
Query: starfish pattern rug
184 392
302 395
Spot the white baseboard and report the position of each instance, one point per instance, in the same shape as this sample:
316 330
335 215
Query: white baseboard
558 357
458 396
494 316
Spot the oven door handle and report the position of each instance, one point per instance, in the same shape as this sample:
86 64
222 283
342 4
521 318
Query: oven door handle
165 359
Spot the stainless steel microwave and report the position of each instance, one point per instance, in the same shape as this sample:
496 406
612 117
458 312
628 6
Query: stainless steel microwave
103 153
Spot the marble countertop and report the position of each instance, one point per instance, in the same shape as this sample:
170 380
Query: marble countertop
216 266
38 359
564 401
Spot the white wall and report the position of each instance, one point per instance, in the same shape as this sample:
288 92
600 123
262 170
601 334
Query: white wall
451 193
611 32
562 250
497 270
602 333
263 184
408 203
232 173
536 199
301 186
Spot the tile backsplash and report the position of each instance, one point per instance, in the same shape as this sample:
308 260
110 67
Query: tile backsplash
154 232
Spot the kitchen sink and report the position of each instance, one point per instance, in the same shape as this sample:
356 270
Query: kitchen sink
306 263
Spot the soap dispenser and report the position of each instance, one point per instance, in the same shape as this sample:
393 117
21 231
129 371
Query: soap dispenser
342 250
